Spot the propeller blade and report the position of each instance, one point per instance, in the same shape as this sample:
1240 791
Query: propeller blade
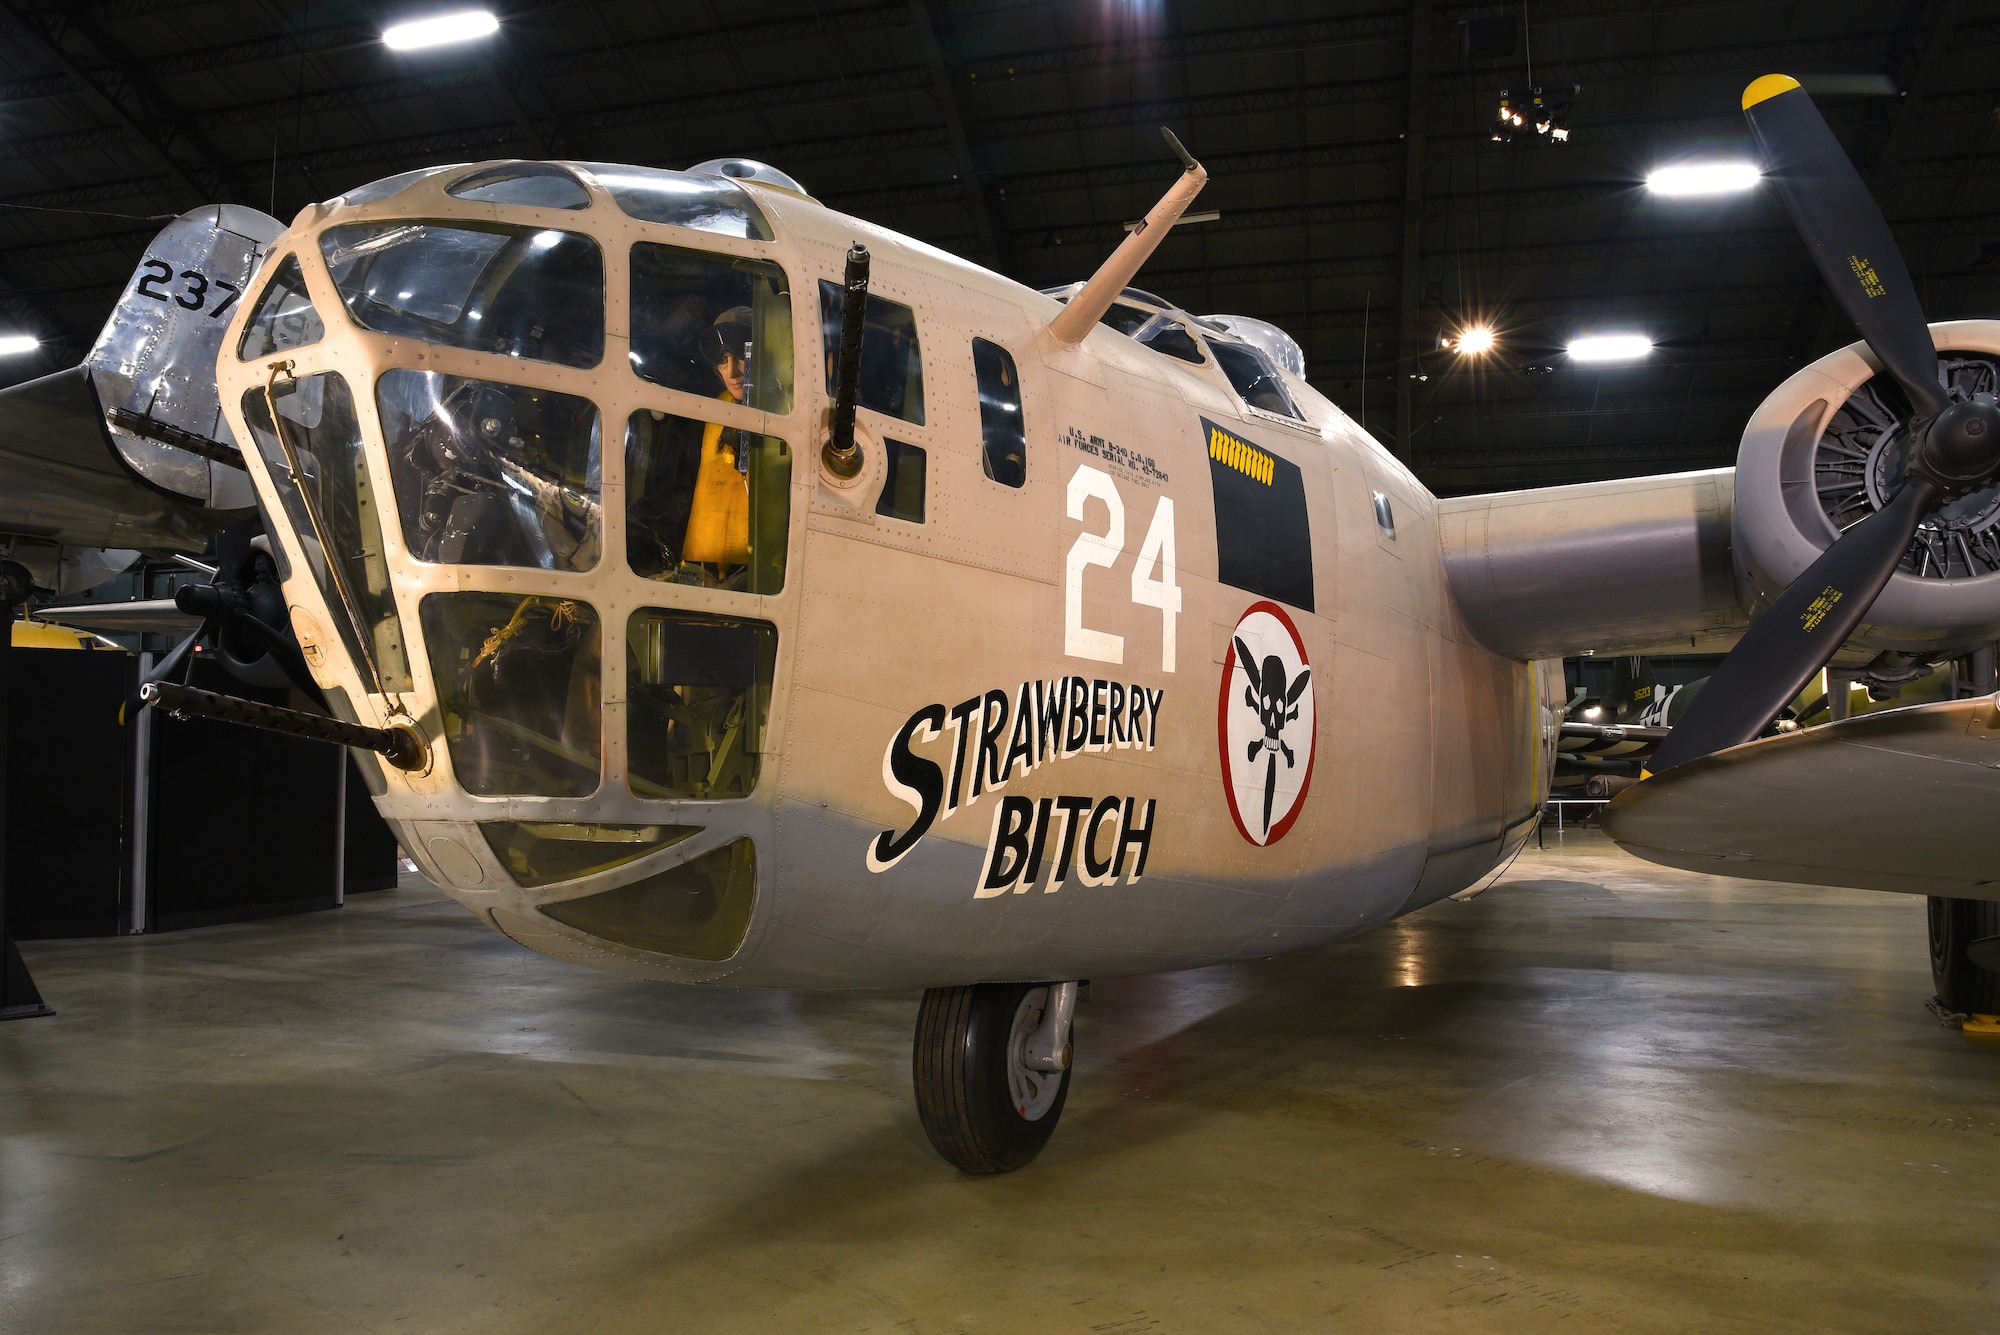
167 666
1837 217
1800 632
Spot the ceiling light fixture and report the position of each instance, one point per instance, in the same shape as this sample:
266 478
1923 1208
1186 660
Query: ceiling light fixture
1475 341
1609 348
13 345
440 30
1703 178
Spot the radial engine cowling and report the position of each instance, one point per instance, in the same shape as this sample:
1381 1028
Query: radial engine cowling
1827 449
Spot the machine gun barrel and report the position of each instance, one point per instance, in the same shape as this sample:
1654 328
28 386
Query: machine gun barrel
400 746
842 456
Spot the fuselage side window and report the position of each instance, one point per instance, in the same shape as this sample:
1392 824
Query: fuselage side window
1263 543
518 291
903 483
892 365
1003 430
715 325
1254 377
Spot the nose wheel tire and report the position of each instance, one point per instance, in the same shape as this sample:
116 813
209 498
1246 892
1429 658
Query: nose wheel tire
1963 983
983 1107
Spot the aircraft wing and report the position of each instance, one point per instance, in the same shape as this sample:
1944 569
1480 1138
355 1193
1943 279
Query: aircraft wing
1901 799
1634 566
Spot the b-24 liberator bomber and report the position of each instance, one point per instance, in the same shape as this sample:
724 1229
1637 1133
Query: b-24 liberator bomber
726 590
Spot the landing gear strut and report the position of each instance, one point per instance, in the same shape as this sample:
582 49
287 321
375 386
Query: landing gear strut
991 1067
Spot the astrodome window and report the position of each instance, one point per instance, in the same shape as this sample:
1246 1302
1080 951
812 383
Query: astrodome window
703 203
698 698
487 473
284 317
706 504
541 185
323 485
715 325
523 292
519 691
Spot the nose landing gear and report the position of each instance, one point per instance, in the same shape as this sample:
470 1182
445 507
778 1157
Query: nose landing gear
991 1066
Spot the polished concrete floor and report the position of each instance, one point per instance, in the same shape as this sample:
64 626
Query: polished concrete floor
1602 1096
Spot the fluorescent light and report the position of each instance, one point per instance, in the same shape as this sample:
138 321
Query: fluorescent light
440 30
1703 178
1474 341
13 345
1609 348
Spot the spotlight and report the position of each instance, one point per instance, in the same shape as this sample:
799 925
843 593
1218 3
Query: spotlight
1703 178
13 345
1475 341
1609 348
440 30
1546 109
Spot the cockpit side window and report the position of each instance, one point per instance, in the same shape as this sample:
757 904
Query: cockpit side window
715 325
704 203
892 365
1002 429
1163 333
1254 377
541 185
1127 320
284 318
518 291
492 474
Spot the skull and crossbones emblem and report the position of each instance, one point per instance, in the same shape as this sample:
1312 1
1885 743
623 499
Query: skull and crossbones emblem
1268 725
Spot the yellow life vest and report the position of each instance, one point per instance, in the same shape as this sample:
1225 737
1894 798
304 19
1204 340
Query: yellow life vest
719 517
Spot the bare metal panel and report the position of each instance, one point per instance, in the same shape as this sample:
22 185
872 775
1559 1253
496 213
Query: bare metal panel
60 481
1897 800
1639 564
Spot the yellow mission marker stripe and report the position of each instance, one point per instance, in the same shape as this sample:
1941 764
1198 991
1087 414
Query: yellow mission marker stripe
1241 456
1762 90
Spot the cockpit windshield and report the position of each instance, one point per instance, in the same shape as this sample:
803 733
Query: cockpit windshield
518 291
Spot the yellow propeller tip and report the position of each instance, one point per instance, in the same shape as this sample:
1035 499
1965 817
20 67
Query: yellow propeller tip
1767 87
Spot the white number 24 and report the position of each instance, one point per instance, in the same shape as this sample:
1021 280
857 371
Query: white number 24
1156 554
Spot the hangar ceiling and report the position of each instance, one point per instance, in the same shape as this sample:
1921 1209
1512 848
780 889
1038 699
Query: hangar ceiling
1352 167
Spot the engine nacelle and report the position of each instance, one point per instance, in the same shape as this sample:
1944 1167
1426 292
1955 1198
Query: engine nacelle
1820 453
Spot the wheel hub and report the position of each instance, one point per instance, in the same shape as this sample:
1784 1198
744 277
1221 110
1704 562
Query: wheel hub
1033 1091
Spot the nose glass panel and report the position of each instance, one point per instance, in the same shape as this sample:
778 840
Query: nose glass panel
699 910
284 318
518 291
700 693
518 686
492 474
323 485
703 203
715 325
536 184
706 504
